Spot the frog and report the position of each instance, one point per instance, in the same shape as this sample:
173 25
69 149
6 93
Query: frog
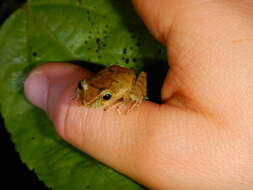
113 86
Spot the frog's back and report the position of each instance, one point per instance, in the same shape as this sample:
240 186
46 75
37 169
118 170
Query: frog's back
113 77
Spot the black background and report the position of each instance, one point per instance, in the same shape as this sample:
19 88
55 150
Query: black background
15 174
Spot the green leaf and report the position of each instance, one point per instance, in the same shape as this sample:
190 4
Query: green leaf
103 32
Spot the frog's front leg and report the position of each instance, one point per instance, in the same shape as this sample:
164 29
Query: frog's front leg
138 92
113 105
118 105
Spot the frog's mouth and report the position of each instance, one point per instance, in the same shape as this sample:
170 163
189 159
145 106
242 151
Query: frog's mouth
95 104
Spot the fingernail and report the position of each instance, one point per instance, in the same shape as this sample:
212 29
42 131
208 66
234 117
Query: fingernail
36 89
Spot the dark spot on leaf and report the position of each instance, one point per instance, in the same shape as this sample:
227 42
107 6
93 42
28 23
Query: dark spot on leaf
34 53
131 48
99 57
97 40
85 41
134 60
33 138
127 61
107 26
125 50
123 58
104 45
96 50
87 186
138 44
88 48
133 36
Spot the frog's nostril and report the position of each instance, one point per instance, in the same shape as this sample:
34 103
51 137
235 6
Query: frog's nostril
80 85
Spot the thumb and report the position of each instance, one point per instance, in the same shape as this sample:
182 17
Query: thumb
109 137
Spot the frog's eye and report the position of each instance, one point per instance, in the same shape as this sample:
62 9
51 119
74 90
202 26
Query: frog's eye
107 96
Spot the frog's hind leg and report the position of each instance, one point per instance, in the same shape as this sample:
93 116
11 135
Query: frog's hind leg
138 92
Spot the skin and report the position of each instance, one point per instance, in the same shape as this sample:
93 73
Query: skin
112 86
201 137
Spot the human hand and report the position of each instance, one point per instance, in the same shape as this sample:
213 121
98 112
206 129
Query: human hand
200 138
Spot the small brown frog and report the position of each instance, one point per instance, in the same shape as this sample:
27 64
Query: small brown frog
112 86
